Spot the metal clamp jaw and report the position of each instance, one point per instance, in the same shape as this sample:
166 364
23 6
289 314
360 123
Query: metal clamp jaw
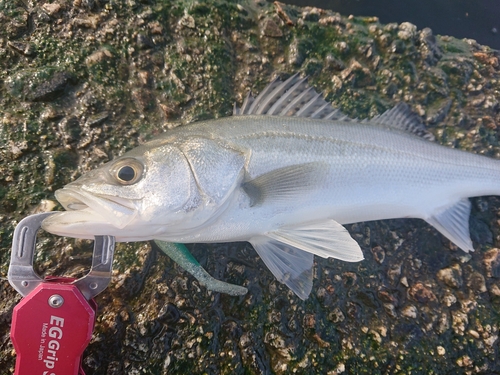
23 277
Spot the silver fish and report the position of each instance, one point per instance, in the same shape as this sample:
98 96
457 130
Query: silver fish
284 173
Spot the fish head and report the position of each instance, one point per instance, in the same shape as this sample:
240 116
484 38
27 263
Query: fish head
133 197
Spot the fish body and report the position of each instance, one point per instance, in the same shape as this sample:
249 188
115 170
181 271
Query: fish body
284 174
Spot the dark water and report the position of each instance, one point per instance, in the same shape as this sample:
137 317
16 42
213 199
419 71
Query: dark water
474 19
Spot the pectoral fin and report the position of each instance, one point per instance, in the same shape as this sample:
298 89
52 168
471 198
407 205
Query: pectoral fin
285 185
181 255
288 252
453 223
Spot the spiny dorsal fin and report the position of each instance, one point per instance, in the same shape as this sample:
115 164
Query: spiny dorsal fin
295 98
292 98
401 117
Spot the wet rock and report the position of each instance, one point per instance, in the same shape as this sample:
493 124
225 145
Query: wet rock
52 9
407 31
283 12
143 99
480 232
451 276
387 297
394 272
390 310
342 47
397 46
70 129
487 58
353 310
476 282
465 361
336 316
429 48
491 260
26 49
409 311
311 14
449 299
439 113
334 19
378 253
357 75
54 87
144 42
89 22
298 51
408 332
187 21
199 66
421 293
312 67
98 56
459 322
271 29
495 290
367 299
18 24
443 323
458 70
334 63
97 119
169 314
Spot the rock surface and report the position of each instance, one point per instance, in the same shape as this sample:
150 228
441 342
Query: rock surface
81 82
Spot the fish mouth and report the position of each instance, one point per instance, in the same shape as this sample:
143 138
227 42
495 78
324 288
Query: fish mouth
90 214
76 200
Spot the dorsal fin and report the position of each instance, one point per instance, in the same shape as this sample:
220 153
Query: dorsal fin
401 117
294 97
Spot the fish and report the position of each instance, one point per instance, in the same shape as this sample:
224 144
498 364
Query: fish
285 173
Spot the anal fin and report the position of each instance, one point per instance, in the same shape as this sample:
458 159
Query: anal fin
453 223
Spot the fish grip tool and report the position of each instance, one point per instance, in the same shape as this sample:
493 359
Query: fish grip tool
53 323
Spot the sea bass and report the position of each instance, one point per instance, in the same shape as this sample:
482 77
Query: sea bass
284 173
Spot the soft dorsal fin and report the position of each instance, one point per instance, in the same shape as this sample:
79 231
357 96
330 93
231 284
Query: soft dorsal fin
453 223
401 117
292 98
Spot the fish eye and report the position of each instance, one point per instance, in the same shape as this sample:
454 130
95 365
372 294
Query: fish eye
128 171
